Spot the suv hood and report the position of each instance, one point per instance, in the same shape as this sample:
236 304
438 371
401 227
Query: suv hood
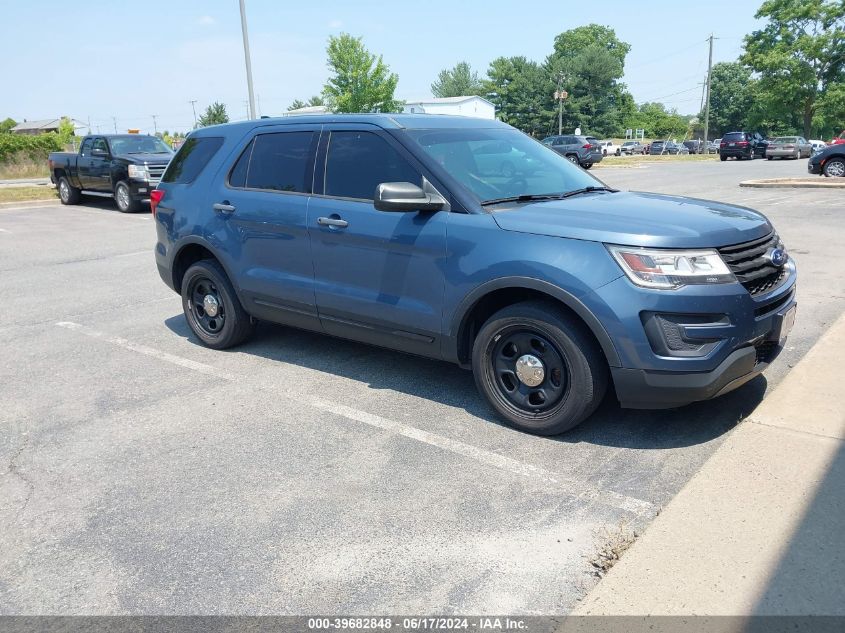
637 219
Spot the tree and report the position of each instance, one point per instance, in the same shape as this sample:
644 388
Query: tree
589 61
732 93
316 100
522 91
457 82
214 114
657 121
799 54
7 125
359 81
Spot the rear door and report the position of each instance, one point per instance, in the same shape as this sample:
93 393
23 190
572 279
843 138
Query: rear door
263 196
378 275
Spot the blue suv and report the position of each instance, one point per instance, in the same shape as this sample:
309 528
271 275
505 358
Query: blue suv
404 231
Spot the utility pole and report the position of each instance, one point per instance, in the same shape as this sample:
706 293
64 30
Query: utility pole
155 127
89 125
248 62
114 120
194 108
707 101
559 104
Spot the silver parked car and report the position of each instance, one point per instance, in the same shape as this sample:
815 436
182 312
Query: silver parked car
789 147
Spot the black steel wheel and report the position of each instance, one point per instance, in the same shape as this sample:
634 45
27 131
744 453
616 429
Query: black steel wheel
212 308
539 367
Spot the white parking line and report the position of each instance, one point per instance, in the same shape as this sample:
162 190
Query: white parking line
490 458
148 251
149 351
4 230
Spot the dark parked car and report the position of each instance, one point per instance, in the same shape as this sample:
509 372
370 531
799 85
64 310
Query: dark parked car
676 148
830 161
581 150
657 148
632 147
742 145
126 167
552 288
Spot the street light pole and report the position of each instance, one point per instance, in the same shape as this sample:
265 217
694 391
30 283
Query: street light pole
248 62
194 108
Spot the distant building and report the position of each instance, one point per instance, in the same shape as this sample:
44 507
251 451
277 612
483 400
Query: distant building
471 106
44 125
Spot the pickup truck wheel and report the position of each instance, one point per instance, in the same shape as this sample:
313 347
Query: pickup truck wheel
538 368
68 194
212 309
123 199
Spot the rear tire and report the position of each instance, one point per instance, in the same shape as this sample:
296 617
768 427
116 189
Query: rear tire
768 158
572 370
68 194
587 165
212 309
723 158
123 199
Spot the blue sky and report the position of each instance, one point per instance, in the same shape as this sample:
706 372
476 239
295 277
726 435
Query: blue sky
130 60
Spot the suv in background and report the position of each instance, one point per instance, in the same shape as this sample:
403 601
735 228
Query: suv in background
581 150
742 145
551 287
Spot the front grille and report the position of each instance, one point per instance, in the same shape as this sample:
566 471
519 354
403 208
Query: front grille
751 267
155 172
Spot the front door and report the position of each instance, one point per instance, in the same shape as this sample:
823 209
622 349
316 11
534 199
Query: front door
378 275
261 208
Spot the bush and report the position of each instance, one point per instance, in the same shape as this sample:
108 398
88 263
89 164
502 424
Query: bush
35 147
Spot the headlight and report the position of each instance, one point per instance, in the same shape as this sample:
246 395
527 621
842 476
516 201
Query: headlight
669 269
139 172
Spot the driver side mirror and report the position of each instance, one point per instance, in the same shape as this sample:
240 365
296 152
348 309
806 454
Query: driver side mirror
97 151
404 196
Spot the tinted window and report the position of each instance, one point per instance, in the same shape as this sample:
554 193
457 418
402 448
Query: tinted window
280 162
86 147
191 159
360 161
237 177
734 136
100 143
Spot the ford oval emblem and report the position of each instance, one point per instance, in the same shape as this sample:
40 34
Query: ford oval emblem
778 257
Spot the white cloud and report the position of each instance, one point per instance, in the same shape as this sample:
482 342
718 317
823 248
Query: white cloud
335 24
206 20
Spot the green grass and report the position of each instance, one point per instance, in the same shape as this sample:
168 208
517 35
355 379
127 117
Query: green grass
22 194
633 161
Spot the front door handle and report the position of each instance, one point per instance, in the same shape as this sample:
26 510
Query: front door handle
336 222
223 207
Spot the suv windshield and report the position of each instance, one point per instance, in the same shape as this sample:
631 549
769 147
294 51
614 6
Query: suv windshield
139 145
501 163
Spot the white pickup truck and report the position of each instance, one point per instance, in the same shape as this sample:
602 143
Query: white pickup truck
609 148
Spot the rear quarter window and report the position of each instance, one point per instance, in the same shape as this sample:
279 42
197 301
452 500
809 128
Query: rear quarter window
191 159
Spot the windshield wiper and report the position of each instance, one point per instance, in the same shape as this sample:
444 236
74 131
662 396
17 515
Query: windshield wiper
526 197
591 189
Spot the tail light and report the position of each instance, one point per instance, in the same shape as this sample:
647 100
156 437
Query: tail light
586 146
156 196
742 143
722 144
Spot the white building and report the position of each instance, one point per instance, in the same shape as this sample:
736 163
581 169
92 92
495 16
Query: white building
471 106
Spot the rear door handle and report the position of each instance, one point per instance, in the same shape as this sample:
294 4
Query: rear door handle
223 207
336 222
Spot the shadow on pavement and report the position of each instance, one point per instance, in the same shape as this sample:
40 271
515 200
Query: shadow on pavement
450 385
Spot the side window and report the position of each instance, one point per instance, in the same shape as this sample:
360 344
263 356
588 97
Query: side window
237 177
358 162
280 162
191 159
100 143
86 147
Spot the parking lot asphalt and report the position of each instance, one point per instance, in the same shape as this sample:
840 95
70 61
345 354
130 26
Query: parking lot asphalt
299 474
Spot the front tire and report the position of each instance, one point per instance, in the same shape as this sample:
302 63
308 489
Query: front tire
835 168
572 158
723 158
68 194
124 200
212 309
539 368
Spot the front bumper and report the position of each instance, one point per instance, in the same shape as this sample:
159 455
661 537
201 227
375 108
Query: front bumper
740 336
814 167
140 189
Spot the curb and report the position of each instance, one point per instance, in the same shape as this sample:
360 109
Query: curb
795 183
756 531
47 202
